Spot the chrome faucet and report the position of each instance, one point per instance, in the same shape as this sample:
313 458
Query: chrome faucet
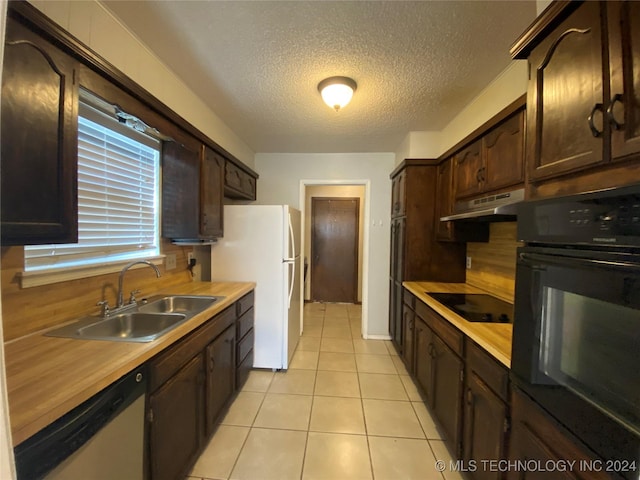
121 277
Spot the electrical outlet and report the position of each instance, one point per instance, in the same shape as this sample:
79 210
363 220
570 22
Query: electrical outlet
468 263
170 261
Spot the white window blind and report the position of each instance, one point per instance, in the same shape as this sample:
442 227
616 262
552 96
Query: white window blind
118 178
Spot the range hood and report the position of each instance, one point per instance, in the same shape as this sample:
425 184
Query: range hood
492 208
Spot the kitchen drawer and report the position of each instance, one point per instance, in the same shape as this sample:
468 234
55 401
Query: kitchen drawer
244 304
242 372
448 333
244 323
409 299
164 365
489 370
244 347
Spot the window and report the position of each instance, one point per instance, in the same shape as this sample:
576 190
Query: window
118 200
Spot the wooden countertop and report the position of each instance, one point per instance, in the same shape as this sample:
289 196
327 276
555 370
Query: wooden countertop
495 338
49 376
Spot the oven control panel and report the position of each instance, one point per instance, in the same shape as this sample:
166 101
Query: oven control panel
609 217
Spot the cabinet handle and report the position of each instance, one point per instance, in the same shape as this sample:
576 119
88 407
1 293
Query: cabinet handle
478 175
612 119
594 131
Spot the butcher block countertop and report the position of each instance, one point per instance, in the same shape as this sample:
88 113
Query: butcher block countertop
48 376
495 338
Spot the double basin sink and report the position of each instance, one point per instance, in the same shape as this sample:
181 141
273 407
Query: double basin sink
142 322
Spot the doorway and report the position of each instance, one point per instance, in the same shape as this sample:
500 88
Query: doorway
334 249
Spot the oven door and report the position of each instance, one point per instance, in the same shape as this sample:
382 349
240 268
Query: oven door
576 341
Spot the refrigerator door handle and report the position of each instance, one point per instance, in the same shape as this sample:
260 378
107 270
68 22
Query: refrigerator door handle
292 245
293 279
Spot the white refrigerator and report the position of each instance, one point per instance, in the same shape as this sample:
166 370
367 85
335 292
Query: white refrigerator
261 243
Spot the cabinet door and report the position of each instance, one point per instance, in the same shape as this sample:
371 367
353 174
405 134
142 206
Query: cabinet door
565 127
468 171
408 320
447 391
624 59
180 191
176 422
39 149
423 347
221 367
485 427
238 183
503 150
398 192
212 194
444 200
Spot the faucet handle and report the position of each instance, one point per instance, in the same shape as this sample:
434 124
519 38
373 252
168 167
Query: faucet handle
105 307
132 297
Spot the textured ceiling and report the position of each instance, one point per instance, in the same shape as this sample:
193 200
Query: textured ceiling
257 64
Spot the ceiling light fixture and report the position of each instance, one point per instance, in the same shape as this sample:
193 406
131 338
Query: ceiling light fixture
337 91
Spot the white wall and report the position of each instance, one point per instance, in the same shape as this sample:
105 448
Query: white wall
281 176
94 25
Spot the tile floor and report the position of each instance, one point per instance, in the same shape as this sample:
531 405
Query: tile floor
345 409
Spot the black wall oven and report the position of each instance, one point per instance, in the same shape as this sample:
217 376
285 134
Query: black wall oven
576 338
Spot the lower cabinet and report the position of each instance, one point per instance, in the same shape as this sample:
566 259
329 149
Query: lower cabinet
408 326
191 383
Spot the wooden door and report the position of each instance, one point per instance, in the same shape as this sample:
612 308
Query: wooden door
485 421
444 200
423 352
624 59
212 191
398 189
221 370
176 422
468 171
503 151
566 130
408 321
39 151
334 249
180 191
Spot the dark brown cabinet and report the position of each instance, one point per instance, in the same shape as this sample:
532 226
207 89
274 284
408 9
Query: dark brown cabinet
39 151
536 437
221 374
211 193
244 338
468 171
408 327
415 252
444 201
176 422
583 96
239 182
423 348
486 411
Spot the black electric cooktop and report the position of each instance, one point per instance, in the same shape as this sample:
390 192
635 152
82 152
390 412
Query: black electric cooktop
476 307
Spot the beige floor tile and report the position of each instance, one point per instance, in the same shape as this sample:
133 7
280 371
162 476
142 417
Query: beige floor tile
221 453
402 458
336 310
300 382
337 362
258 381
284 411
390 348
271 454
382 387
337 384
312 331
389 418
243 410
314 321
337 321
375 363
399 364
309 343
336 456
337 415
337 345
426 421
372 347
333 331
411 389
304 359
440 452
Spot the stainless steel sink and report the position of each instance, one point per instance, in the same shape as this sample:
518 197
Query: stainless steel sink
143 322
139 327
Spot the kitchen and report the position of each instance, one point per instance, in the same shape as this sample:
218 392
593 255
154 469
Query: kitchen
275 190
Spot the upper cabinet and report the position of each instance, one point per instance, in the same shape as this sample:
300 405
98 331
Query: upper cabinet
493 162
211 193
39 140
239 181
398 190
583 119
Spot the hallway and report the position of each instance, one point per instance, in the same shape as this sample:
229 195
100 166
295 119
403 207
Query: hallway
345 409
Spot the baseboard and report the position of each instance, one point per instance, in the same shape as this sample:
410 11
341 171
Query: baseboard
377 337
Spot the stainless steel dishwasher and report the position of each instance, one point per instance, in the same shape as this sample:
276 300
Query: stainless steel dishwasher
101 439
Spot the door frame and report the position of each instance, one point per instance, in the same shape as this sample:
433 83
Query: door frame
365 238
357 242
